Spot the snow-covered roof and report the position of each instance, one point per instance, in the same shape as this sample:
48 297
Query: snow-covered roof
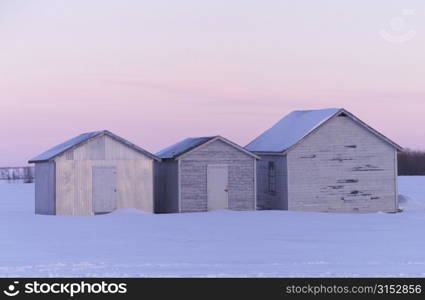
82 138
183 146
298 124
186 145
290 130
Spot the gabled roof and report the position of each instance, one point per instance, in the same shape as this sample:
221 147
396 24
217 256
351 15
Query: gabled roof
83 138
293 128
177 150
182 147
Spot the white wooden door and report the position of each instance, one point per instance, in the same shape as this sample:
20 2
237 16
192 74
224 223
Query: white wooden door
217 181
104 189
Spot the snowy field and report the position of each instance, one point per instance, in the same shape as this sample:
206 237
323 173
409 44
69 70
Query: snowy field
215 244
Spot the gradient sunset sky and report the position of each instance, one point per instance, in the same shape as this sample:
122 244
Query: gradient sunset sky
155 72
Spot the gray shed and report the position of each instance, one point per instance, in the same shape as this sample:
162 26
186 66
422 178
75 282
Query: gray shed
327 161
206 173
95 172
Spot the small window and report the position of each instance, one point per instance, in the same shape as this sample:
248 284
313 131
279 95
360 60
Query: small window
271 178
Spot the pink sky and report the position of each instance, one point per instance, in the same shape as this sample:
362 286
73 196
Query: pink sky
155 72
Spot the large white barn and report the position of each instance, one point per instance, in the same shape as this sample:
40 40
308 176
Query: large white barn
328 161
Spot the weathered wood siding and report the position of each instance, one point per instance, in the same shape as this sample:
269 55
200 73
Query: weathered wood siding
167 190
342 167
265 198
74 176
45 188
193 177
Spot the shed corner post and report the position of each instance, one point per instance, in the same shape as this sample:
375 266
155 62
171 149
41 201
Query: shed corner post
179 185
396 179
55 210
255 184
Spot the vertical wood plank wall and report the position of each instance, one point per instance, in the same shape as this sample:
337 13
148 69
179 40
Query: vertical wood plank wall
342 167
45 188
193 177
74 176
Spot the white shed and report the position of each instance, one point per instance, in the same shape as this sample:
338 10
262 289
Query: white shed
206 173
93 173
326 160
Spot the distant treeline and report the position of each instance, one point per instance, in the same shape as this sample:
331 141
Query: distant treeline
26 174
411 162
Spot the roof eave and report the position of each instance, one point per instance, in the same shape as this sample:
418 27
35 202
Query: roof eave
224 140
259 153
242 149
167 158
338 112
67 149
101 133
374 131
38 161
130 144
285 151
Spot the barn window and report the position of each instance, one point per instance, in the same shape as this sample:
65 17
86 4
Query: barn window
271 177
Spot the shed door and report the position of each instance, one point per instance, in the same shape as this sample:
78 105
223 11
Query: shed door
217 179
104 189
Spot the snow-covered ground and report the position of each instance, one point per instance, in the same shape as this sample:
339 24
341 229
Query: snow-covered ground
217 244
